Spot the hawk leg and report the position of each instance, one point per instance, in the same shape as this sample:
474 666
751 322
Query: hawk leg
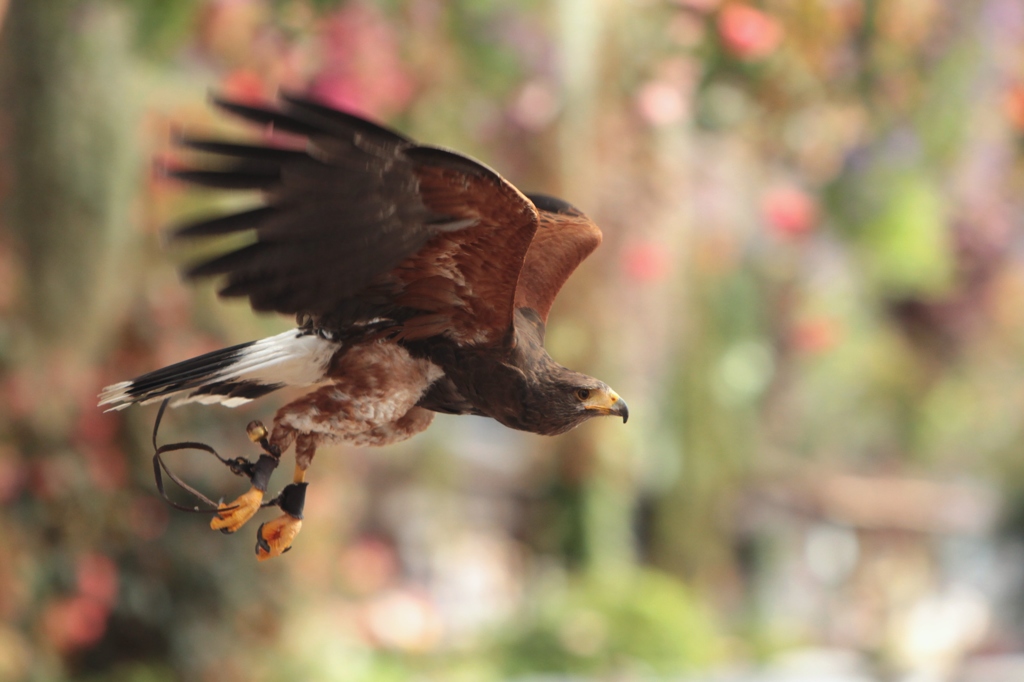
235 514
274 538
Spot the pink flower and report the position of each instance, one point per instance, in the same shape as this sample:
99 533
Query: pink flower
666 97
698 5
748 33
661 103
536 106
645 262
790 212
362 67
97 577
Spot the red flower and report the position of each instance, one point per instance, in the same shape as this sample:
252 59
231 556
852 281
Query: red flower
245 85
75 622
748 33
790 212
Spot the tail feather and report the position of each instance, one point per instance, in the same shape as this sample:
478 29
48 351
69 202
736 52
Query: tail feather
231 376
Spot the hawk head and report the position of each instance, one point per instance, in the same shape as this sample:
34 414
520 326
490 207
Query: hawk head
571 398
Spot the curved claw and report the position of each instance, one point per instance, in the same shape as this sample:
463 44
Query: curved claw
274 538
237 513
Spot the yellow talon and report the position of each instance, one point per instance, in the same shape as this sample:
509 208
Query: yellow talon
238 512
274 538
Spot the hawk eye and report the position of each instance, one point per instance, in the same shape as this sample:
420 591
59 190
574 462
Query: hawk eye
582 393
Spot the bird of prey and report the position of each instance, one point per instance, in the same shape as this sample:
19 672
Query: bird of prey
421 282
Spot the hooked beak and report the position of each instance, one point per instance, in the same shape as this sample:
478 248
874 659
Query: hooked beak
620 409
609 404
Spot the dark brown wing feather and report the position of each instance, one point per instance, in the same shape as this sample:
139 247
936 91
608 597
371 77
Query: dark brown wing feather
364 224
468 275
563 240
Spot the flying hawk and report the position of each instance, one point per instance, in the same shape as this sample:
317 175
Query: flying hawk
421 281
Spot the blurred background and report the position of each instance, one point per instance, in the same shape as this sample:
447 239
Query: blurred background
811 292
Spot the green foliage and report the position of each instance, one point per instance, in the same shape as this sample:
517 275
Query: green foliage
162 25
643 622
492 62
907 245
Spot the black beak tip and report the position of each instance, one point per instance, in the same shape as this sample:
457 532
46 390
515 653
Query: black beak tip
622 409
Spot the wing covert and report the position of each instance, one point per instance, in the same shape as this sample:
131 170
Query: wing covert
362 223
564 239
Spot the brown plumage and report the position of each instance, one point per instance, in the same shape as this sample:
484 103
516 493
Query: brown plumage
421 279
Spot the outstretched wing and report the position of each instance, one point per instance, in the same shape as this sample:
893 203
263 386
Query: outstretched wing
363 224
563 240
